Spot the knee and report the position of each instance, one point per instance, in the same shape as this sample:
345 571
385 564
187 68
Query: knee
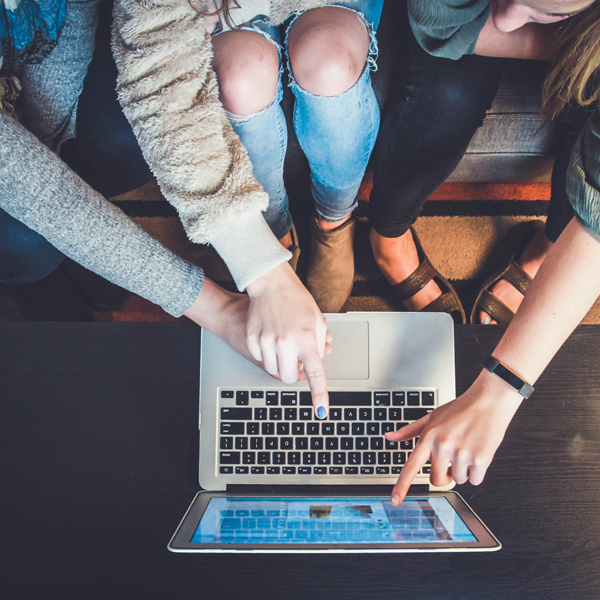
247 70
328 55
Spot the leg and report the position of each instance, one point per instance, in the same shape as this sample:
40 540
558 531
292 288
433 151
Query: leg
336 118
247 65
559 214
435 109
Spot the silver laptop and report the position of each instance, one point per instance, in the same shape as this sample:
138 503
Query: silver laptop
261 436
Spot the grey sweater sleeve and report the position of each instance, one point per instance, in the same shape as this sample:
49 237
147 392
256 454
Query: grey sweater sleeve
169 94
583 176
448 28
39 190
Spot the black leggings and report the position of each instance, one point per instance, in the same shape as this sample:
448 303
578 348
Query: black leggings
434 109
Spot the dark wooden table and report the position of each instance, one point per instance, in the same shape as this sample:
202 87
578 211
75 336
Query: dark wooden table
98 462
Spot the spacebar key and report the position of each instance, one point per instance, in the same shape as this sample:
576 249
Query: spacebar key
340 399
413 414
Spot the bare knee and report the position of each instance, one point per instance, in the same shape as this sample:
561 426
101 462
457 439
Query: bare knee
247 68
328 50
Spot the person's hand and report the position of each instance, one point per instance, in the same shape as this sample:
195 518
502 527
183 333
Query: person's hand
460 437
287 333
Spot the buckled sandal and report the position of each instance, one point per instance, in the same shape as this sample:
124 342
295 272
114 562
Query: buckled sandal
509 269
448 302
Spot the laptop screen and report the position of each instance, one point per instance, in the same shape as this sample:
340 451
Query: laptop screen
330 520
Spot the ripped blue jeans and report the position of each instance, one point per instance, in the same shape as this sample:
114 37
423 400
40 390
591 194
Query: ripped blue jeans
336 133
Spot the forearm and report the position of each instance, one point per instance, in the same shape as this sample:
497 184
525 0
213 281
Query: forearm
563 291
39 190
532 41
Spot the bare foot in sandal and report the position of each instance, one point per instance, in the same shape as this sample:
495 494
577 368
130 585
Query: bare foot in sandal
397 259
530 260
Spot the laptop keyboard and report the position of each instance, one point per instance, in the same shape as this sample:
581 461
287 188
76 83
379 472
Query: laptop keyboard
276 432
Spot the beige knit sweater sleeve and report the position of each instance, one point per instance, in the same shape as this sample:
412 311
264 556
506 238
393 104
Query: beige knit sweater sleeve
169 94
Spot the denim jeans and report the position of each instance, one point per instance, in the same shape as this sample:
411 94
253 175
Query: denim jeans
337 134
433 112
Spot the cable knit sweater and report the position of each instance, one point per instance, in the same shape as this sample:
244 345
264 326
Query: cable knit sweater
170 95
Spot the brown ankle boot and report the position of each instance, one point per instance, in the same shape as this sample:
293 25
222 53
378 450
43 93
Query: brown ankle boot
294 249
331 267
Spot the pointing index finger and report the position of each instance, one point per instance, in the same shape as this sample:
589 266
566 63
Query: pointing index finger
414 464
315 376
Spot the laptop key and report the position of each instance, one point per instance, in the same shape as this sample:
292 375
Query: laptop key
427 398
232 429
335 414
328 429
273 470
339 458
260 413
324 458
231 413
396 470
413 399
343 429
358 429
306 414
350 399
301 443
391 445
241 443
241 398
413 414
362 443
288 470
279 458
368 458
293 458
336 470
289 398
241 470
275 414
257 470
395 414
226 470
272 398
272 443
385 427
399 399
426 469
320 471
366 470
267 428
304 470
283 429
399 458
406 445
316 443
354 458
264 458
351 470
226 443
376 443
380 414
256 443
313 428
381 398
383 470
290 414
257 394
252 428
372 428
365 414
226 393
331 443
347 443
350 414
286 443
384 458
309 458
248 458
297 428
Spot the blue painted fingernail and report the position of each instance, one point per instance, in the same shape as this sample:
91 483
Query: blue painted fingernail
486 320
321 412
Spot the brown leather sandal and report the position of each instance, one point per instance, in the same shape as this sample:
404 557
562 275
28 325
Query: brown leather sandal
448 302
509 269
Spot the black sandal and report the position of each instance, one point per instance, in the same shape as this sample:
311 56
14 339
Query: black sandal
448 302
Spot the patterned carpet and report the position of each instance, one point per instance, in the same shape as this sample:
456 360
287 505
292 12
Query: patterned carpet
459 228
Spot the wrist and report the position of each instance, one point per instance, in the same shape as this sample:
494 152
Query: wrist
498 392
267 282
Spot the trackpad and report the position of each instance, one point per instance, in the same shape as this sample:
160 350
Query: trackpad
349 358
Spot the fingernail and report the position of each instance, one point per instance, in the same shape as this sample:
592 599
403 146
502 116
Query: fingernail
486 320
321 412
395 499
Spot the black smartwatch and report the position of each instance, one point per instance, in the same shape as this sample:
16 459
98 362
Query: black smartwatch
520 386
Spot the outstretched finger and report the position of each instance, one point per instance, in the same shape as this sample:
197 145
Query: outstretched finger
409 431
419 456
315 376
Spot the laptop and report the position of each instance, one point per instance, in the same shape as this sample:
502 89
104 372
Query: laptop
277 479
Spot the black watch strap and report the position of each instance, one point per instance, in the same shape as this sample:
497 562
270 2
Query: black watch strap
522 387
